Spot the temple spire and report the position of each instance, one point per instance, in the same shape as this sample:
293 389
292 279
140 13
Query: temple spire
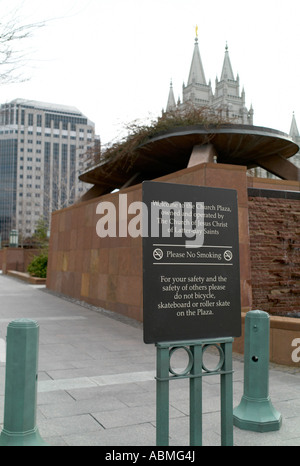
294 132
171 105
227 72
196 71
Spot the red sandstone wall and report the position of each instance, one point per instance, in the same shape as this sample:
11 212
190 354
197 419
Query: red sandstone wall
16 259
275 254
107 272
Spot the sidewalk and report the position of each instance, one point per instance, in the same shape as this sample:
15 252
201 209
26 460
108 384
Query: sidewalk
96 379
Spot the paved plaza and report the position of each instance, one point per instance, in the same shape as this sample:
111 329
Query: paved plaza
96 379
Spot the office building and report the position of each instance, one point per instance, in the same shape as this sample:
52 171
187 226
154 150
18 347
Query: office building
42 151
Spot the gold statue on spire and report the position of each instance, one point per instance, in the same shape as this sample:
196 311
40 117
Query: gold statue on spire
196 31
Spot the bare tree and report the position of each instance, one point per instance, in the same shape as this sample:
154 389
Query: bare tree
13 57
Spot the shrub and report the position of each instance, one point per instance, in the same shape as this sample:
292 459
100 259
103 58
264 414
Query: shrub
38 267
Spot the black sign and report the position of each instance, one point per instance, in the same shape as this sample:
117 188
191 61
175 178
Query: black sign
191 279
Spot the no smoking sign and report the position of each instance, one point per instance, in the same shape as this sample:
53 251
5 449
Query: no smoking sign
190 290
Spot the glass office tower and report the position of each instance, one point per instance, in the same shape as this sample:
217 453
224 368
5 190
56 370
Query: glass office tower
42 151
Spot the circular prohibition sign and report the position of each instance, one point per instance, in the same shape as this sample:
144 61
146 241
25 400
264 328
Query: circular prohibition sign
228 255
158 254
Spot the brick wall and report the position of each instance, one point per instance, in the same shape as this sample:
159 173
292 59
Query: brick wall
274 224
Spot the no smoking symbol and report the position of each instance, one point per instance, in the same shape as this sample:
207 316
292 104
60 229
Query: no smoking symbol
228 255
158 254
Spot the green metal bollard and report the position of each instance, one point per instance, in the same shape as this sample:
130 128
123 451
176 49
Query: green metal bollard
19 427
255 411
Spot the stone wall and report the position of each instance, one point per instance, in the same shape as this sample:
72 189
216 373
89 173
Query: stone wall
274 220
107 272
16 259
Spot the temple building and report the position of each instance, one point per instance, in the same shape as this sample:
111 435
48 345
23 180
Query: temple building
227 101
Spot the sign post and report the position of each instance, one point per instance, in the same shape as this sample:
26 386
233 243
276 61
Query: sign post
191 291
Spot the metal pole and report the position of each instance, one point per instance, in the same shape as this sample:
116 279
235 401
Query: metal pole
21 385
255 411
196 397
162 396
227 396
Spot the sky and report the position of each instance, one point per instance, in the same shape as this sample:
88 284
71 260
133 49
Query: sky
114 59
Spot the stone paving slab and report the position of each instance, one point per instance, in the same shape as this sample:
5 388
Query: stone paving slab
96 379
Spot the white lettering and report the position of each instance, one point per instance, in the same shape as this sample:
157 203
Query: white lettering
106 226
296 352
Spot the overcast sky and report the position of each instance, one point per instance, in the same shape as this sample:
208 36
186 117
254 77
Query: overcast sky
114 59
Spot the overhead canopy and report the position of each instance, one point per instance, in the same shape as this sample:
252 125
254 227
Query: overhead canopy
170 151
